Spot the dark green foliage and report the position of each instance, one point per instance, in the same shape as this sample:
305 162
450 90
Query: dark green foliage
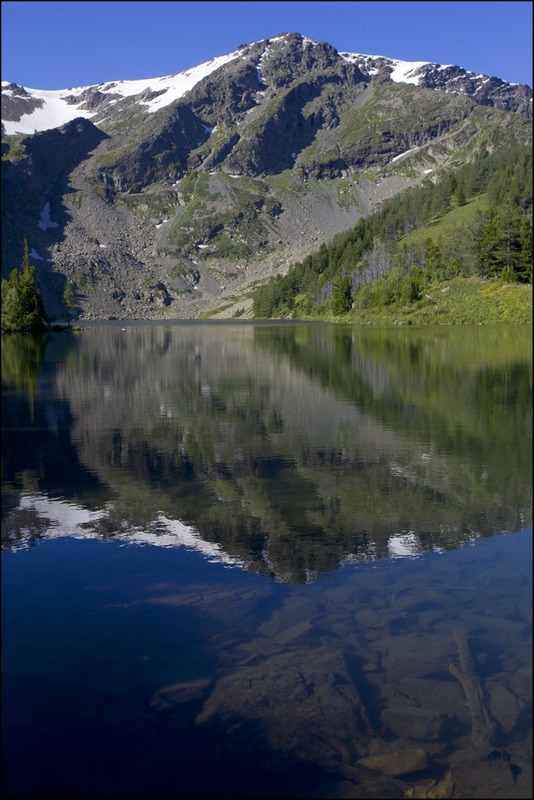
69 300
503 246
342 295
498 244
22 304
433 261
461 196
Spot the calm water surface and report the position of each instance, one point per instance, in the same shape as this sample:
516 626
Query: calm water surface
267 560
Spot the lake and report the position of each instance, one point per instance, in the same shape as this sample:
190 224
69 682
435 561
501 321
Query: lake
267 560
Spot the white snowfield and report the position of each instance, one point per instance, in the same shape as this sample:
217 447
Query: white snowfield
403 71
56 111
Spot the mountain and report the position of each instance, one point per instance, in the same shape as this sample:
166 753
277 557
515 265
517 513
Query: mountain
177 196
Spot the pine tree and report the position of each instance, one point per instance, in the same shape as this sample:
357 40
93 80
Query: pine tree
69 300
461 197
22 304
342 295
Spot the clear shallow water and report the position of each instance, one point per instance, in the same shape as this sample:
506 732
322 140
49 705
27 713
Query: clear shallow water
239 561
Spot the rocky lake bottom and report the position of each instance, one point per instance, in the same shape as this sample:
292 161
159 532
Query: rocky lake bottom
407 678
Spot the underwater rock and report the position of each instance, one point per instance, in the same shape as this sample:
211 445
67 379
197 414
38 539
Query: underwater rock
397 762
503 706
303 704
414 723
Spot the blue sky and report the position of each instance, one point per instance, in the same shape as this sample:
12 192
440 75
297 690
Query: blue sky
56 45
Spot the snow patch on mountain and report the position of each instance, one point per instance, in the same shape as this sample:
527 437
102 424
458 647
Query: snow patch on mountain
401 71
173 86
54 111
58 107
407 71
45 222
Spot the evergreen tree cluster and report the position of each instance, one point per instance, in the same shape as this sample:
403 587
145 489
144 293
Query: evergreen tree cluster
22 305
374 264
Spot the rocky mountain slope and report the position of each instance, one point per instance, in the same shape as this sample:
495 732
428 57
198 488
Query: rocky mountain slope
174 197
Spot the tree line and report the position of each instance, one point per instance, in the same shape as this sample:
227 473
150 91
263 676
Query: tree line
377 263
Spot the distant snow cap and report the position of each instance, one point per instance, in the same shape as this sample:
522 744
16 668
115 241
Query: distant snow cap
408 71
401 71
58 107
53 112
173 86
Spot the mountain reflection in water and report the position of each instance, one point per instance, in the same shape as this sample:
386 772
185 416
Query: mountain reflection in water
316 578
291 448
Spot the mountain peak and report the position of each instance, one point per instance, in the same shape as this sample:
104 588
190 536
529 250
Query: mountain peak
26 111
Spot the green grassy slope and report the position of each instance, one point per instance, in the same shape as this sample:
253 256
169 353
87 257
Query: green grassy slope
459 301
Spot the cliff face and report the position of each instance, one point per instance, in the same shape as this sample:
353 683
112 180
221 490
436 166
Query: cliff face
154 207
